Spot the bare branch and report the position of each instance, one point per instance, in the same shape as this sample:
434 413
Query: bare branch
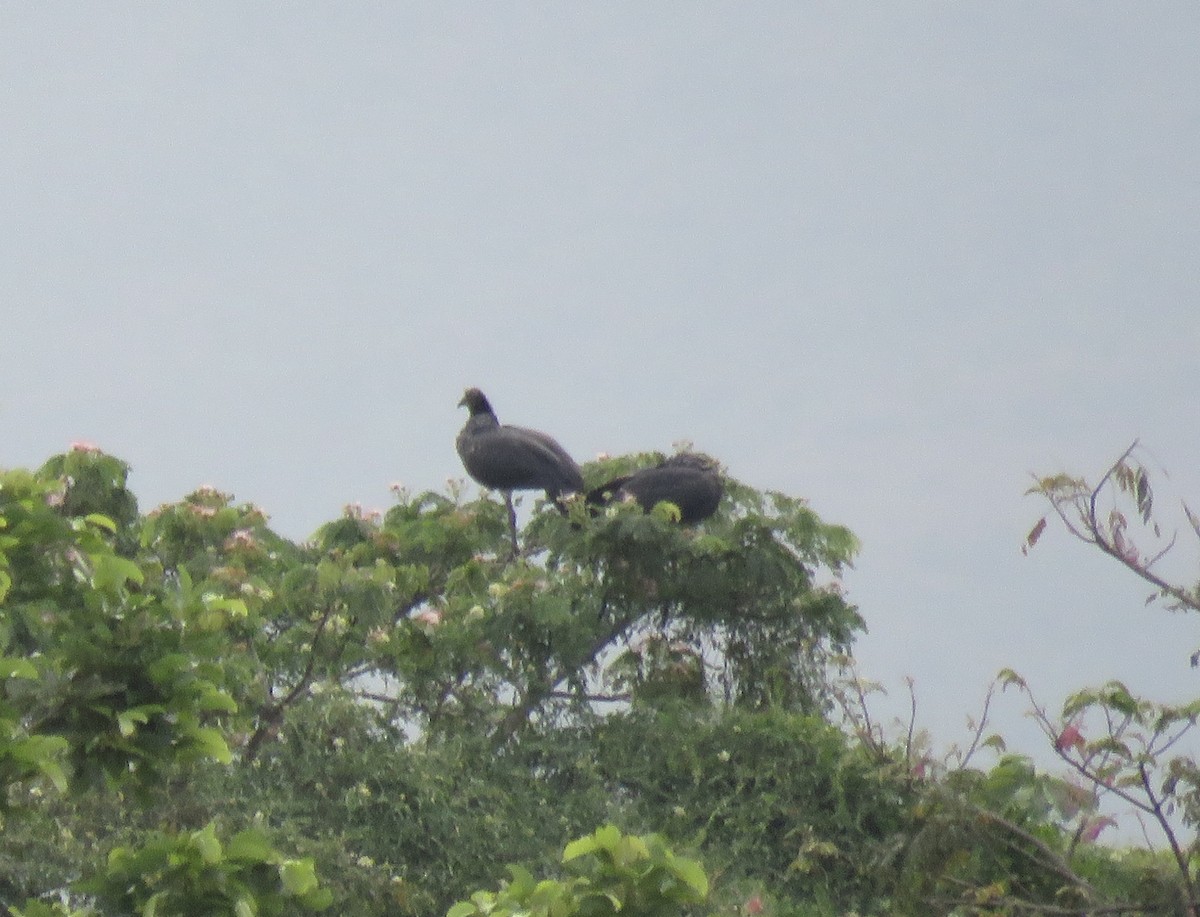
982 725
1181 855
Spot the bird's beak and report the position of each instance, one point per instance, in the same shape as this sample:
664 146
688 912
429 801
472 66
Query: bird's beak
462 402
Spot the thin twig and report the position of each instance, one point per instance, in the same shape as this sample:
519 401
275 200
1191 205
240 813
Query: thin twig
983 720
272 714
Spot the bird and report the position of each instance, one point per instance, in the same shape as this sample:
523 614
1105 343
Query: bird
508 458
689 480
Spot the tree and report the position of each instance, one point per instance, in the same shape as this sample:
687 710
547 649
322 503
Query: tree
116 673
188 644
398 699
1121 745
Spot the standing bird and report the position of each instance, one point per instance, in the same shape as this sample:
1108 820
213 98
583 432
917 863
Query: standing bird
508 458
689 480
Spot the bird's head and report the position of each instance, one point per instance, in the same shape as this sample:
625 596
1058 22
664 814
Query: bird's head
476 402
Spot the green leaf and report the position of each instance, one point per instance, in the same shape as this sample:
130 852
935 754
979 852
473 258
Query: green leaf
53 772
251 846
607 837
523 883
210 742
212 699
318 899
234 608
11 667
692 873
151 907
245 908
666 511
206 843
109 570
298 876
167 668
629 850
578 848
462 909
99 520
129 720
329 575
1118 697
1009 678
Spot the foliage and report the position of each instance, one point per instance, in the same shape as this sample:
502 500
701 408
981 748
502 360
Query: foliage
116 669
197 874
1117 516
398 699
614 874
1119 745
767 795
113 670
419 822
1008 838
136 647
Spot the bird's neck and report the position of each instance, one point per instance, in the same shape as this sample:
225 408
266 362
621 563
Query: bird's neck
484 420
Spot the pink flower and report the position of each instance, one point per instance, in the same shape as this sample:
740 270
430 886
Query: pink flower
754 905
81 445
242 538
430 617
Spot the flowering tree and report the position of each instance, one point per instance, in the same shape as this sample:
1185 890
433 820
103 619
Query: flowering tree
395 701
116 672
136 646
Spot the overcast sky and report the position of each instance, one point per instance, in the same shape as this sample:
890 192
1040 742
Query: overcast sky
889 258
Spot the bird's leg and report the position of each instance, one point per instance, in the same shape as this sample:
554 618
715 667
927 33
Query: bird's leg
512 523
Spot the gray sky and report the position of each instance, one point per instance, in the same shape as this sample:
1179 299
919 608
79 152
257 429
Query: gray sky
891 259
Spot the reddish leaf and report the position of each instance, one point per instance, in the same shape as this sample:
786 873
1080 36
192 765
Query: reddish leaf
1070 737
1095 826
1034 534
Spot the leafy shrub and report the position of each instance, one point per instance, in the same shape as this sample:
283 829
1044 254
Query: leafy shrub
614 874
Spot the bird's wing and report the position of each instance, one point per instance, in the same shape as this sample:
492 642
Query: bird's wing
554 456
694 491
513 458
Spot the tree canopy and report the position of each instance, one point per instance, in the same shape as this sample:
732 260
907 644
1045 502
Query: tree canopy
198 715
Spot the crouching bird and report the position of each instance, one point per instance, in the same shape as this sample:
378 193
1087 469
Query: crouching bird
507 458
689 480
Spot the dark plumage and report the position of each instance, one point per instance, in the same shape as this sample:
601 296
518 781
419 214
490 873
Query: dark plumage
507 458
689 480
